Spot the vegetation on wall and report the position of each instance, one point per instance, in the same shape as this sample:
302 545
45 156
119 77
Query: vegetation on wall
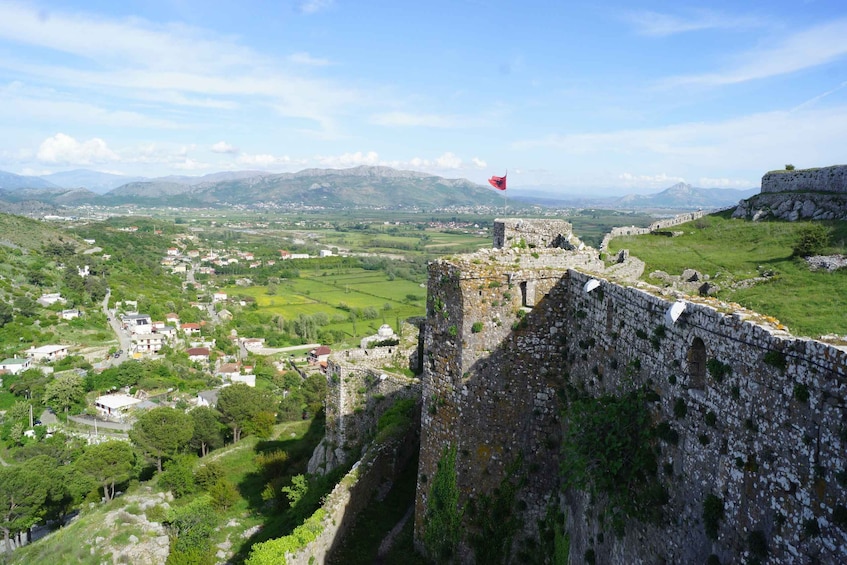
443 519
609 449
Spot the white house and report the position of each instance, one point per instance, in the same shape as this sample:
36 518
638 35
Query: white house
249 380
326 253
47 353
137 323
147 343
50 298
115 405
16 365
219 297
70 314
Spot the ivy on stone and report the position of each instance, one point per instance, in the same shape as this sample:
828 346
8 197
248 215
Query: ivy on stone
443 518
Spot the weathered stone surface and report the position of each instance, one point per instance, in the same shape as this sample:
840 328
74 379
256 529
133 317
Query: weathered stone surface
503 343
823 179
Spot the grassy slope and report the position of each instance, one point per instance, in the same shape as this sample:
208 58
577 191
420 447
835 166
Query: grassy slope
73 543
809 303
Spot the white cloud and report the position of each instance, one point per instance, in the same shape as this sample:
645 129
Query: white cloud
742 148
267 161
630 179
133 60
64 149
659 25
191 165
356 159
314 6
304 58
224 147
479 163
708 182
407 119
801 50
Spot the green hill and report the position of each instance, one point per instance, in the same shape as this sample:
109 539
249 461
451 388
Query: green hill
754 265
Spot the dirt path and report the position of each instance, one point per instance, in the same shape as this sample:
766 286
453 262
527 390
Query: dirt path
388 541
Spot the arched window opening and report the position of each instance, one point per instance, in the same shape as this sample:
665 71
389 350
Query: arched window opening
697 364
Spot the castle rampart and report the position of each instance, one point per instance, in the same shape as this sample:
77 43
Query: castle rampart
760 415
823 179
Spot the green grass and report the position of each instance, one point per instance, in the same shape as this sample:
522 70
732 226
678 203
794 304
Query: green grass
728 250
335 291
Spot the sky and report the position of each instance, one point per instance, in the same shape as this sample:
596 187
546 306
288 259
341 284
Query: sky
592 97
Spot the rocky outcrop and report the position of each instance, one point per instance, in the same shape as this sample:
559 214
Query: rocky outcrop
793 206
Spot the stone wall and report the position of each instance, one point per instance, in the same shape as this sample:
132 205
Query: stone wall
655 226
768 438
377 468
359 391
824 179
534 234
792 207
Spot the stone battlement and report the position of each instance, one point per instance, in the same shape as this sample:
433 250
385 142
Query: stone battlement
824 179
757 415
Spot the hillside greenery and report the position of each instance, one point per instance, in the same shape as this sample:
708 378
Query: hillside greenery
730 251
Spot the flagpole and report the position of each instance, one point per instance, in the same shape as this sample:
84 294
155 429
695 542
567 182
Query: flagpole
504 195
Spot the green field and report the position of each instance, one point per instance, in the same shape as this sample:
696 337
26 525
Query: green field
335 292
809 303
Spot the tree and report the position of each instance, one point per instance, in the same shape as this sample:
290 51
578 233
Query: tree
108 463
789 167
6 313
239 404
23 491
64 391
207 430
162 432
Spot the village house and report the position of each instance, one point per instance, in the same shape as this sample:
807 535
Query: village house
15 365
173 252
198 354
319 355
47 353
228 370
172 318
50 298
137 323
248 379
115 406
219 297
167 332
190 328
147 343
207 398
70 314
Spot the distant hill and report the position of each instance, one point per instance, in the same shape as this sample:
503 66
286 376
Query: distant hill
680 196
95 181
371 187
11 181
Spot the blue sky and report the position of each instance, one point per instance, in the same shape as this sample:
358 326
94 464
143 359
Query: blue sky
594 97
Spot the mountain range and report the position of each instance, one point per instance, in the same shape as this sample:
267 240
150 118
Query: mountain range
359 187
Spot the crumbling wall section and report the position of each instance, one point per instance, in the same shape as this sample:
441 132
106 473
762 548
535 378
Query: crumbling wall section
760 415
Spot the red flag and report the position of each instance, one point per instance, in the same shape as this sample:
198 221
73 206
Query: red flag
498 182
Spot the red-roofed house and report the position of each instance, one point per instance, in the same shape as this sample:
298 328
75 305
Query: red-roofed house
198 353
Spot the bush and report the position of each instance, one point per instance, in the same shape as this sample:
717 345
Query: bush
178 477
208 474
789 167
477 327
712 515
801 392
812 239
224 494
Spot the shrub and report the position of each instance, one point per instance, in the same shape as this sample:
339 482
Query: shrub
680 409
789 167
477 327
757 543
801 392
775 359
711 419
812 239
712 515
224 494
718 370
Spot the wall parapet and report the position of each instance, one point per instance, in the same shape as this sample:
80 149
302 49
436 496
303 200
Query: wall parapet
823 179
765 433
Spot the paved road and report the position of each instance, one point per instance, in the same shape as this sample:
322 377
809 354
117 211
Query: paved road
123 339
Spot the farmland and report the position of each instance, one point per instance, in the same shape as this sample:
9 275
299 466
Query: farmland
352 300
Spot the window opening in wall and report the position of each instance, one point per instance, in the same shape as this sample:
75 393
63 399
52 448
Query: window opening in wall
697 364
523 294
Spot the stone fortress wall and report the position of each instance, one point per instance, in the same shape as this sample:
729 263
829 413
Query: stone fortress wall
806 194
823 179
359 391
507 334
